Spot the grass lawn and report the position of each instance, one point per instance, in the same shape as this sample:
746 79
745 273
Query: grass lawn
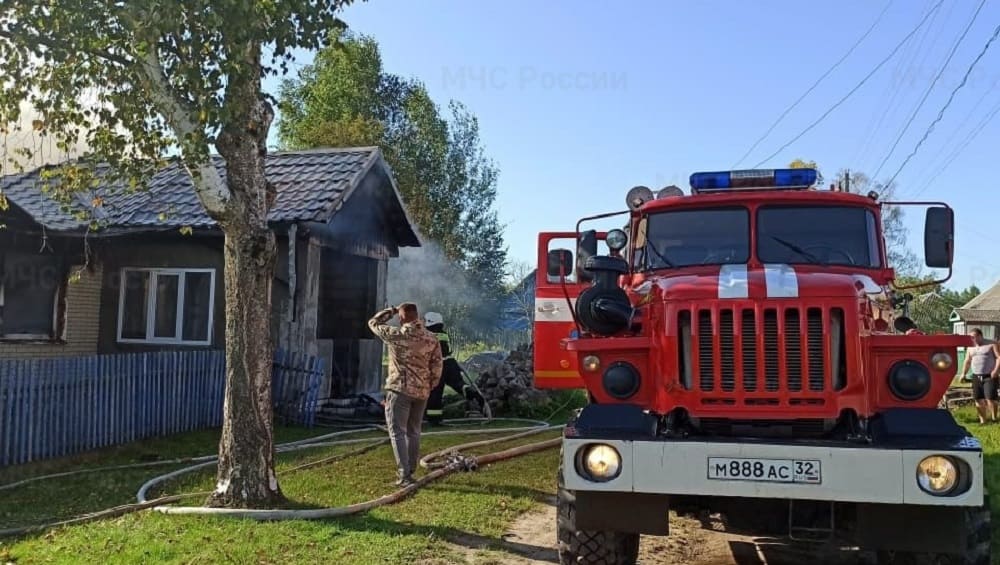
473 507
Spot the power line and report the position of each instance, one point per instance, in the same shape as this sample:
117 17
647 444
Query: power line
855 89
930 128
815 84
893 90
933 167
927 92
959 148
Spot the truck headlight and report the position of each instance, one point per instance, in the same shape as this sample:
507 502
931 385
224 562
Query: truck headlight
616 239
601 462
591 363
937 475
909 380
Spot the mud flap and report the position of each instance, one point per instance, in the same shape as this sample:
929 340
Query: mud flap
905 527
634 513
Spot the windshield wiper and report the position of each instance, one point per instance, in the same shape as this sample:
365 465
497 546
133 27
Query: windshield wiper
666 262
809 256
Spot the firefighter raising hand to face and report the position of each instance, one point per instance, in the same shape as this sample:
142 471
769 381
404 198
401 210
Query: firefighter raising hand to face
451 371
414 370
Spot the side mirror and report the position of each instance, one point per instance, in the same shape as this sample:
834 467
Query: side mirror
939 237
585 249
560 263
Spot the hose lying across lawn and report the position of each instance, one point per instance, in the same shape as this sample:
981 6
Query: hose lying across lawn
440 464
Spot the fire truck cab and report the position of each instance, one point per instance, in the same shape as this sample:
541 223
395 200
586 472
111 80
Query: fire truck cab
743 352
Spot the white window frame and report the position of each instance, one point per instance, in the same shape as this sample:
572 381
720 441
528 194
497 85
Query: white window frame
181 275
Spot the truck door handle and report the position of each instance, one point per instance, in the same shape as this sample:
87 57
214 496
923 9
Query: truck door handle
548 308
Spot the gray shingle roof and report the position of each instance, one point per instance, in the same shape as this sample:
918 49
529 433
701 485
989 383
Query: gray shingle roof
983 308
309 185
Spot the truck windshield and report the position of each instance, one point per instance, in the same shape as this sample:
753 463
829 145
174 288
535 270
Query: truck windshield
824 235
684 238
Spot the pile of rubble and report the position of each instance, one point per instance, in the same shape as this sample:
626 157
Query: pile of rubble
507 384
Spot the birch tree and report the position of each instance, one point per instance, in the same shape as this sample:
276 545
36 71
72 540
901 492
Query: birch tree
139 80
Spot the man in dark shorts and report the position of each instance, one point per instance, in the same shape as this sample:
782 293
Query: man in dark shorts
982 359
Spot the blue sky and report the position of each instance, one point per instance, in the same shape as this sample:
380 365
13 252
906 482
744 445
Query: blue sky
579 101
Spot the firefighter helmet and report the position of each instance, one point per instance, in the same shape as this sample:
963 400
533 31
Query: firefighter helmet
433 319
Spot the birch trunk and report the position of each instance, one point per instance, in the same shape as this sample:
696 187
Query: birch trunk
246 476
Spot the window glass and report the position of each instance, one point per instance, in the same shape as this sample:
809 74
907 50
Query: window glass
136 289
30 284
824 235
197 299
166 305
683 238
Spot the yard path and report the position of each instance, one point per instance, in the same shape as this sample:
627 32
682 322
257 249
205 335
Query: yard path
531 540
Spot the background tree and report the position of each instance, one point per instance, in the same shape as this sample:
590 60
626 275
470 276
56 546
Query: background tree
801 164
140 80
901 258
346 98
933 304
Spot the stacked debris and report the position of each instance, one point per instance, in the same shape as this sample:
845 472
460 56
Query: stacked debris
509 386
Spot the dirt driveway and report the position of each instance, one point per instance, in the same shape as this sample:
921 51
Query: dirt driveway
532 540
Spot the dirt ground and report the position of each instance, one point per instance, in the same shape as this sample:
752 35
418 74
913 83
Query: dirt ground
532 540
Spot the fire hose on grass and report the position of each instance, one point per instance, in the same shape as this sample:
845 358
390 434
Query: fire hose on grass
453 462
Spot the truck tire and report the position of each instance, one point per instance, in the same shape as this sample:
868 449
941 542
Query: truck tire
596 548
977 550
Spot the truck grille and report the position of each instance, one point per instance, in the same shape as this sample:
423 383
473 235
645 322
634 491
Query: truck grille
762 350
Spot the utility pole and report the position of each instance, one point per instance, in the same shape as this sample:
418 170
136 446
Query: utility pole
847 181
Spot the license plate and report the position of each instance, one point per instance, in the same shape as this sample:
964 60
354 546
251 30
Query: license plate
766 470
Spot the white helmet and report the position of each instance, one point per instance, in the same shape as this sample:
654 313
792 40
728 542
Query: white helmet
433 319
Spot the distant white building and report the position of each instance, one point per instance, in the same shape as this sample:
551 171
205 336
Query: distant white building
981 312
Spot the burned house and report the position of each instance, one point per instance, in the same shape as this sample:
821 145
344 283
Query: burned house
151 278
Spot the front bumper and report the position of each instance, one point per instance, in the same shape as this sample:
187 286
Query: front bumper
863 474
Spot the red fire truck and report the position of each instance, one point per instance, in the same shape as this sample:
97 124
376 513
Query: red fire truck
746 352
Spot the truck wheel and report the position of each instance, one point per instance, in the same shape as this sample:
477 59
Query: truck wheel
597 548
977 550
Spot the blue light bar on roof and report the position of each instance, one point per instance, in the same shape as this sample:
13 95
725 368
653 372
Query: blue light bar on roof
753 179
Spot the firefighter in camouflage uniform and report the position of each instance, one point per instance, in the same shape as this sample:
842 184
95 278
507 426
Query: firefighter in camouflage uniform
451 372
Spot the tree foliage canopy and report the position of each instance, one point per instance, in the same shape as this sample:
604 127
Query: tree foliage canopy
346 98
137 81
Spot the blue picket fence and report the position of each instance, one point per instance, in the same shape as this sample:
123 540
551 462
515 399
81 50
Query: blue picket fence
295 385
55 407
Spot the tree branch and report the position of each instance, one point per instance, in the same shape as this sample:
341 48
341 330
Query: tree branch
54 43
208 183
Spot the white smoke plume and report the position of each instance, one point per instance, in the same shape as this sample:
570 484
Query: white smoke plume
424 275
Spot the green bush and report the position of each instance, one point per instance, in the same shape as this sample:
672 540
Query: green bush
557 406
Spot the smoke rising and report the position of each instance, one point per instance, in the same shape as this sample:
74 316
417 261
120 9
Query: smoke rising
425 276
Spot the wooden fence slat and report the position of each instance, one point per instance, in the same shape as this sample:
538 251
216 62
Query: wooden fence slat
61 406
4 402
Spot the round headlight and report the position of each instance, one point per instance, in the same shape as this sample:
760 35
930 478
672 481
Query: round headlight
616 240
591 363
602 462
909 380
942 361
937 475
621 380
